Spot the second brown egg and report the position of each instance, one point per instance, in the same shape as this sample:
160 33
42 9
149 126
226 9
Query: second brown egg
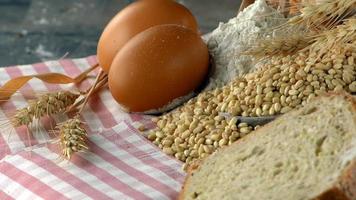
157 66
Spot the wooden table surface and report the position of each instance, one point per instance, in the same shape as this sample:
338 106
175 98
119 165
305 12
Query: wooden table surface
37 30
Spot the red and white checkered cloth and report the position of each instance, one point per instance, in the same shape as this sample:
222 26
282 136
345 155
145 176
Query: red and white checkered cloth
121 163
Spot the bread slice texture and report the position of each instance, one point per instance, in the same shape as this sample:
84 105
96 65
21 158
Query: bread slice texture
308 153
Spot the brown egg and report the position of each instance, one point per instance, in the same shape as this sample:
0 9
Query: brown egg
157 66
136 18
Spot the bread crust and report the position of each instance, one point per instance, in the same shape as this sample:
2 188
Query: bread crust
345 189
348 182
190 171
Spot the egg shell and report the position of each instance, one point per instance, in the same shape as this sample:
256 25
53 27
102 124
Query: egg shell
157 66
136 18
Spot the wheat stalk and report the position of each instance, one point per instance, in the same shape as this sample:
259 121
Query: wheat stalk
100 82
325 15
73 137
341 35
101 77
280 45
46 105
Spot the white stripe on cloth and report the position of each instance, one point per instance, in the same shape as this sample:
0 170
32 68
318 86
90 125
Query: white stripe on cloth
113 107
11 138
82 175
46 177
35 84
15 190
82 65
177 165
18 100
139 164
128 179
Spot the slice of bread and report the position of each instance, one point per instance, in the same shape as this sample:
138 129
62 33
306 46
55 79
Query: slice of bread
309 153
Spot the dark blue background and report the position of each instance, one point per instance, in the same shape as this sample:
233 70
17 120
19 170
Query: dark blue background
36 30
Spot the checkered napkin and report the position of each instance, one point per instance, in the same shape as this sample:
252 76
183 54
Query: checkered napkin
121 163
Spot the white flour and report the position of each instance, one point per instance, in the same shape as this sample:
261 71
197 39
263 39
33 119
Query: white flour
234 37
171 105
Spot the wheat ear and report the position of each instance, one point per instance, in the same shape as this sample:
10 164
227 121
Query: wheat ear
279 45
341 35
73 137
46 105
325 15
